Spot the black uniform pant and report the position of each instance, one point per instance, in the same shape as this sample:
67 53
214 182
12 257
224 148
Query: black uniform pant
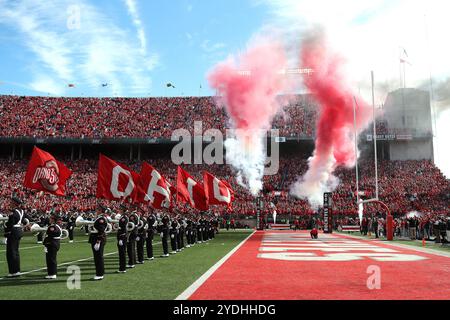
180 242
40 237
99 259
149 244
173 240
12 254
70 234
122 255
199 235
188 236
140 248
205 234
164 238
50 258
131 249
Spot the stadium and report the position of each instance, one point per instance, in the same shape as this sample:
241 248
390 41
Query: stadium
157 198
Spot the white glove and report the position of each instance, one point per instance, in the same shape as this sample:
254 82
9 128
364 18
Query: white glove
97 246
162 234
45 250
138 238
120 243
172 236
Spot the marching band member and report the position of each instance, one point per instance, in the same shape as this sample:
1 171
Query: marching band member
97 239
71 226
13 235
43 222
163 228
152 222
181 232
205 226
199 228
122 238
140 239
174 228
189 233
131 243
52 245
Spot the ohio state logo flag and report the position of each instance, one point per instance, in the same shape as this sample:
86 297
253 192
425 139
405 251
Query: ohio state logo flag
153 188
190 191
47 174
218 192
116 181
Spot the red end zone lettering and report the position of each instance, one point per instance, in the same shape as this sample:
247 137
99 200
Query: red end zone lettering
292 247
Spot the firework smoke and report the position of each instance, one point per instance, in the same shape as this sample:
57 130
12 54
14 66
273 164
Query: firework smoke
248 86
334 145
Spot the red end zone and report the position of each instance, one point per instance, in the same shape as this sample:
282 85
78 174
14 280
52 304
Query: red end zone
292 266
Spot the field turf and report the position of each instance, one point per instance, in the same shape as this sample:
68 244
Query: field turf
160 279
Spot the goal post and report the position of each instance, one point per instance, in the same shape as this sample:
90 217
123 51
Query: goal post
389 218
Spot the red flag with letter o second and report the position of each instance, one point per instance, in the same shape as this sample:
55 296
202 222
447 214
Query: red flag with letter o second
116 181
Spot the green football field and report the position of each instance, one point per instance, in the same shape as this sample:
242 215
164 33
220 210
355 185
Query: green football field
160 279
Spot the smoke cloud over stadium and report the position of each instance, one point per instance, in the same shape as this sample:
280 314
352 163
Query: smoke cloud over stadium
334 145
248 85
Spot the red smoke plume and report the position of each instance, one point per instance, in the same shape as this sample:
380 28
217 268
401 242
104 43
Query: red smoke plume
248 86
334 145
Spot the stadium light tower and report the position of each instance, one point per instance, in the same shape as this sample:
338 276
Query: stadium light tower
389 218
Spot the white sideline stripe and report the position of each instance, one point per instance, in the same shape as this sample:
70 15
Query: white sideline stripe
193 287
69 263
404 246
41 246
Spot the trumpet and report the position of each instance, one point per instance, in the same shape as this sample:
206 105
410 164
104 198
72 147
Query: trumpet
80 222
36 228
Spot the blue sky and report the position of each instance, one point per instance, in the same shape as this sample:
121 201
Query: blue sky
135 46
138 46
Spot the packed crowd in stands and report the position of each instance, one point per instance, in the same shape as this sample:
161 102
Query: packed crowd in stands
404 186
128 117
98 118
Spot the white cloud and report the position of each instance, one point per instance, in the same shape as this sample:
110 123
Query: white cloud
209 47
132 11
46 84
99 51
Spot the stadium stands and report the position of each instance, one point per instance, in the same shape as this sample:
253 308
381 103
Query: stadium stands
405 186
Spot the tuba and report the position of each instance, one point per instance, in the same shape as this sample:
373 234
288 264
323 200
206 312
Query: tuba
80 222
116 220
3 219
36 228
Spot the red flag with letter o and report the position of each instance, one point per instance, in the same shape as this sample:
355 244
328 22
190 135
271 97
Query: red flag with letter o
116 181
218 192
47 174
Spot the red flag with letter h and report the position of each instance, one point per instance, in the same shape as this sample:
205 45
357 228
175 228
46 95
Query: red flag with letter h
154 188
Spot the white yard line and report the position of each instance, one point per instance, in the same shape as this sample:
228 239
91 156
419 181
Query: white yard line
192 288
